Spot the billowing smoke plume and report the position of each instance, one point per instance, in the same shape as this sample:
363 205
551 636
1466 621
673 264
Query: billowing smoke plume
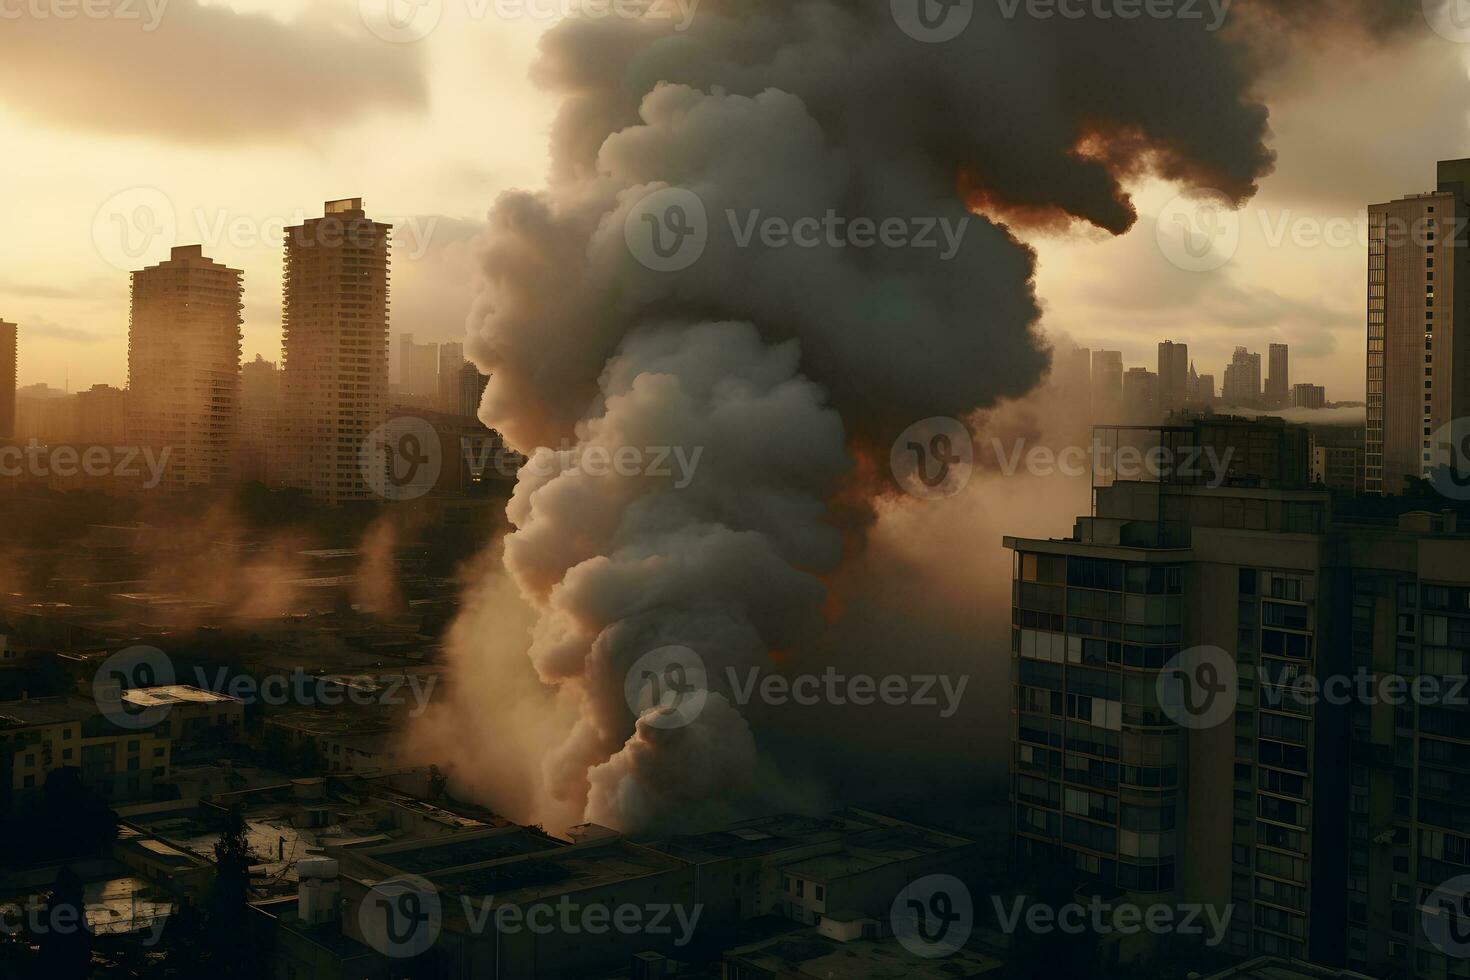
788 371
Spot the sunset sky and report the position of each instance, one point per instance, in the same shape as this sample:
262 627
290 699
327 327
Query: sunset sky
228 121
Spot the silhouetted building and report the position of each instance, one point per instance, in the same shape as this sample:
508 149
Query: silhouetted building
335 377
184 365
1278 380
418 367
1141 396
260 457
1308 396
9 363
1243 379
1417 342
1322 821
451 359
1174 371
471 387
1107 386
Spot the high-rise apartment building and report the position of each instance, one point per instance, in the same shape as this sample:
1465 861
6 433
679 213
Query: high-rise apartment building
101 415
1323 821
1204 391
1243 379
184 365
1141 392
1107 386
260 422
418 368
1308 396
471 388
9 362
451 360
1278 380
1418 345
334 382
1174 370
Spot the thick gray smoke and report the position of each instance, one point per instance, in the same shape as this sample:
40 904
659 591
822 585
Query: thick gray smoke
790 370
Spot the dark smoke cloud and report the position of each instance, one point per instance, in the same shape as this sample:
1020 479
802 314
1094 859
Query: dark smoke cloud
775 361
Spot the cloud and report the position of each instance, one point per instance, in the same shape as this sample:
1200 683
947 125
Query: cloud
181 71
38 327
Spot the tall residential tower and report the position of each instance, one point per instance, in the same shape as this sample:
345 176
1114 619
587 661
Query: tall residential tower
335 379
184 366
1418 348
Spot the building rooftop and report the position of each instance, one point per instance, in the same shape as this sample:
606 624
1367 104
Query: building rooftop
810 954
1275 968
150 697
877 837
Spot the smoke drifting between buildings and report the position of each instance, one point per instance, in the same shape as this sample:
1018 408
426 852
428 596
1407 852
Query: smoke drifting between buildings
793 369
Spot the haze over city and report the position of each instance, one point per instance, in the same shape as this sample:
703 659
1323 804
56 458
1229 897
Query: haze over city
735 489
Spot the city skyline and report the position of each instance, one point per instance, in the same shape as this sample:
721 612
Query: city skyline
71 300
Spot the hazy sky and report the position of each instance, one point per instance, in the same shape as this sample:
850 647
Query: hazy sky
152 126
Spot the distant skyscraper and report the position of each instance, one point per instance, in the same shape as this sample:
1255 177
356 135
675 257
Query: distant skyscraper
451 360
1107 386
335 378
418 367
1417 328
184 365
1204 391
471 387
9 361
1174 370
1243 379
1141 397
1278 384
1308 396
260 422
101 413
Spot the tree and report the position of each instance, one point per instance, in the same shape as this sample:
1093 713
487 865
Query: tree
228 922
62 931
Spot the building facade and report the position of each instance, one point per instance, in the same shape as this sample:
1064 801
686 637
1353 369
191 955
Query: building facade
184 366
335 378
1278 380
1325 822
1174 371
1418 350
1107 386
9 363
